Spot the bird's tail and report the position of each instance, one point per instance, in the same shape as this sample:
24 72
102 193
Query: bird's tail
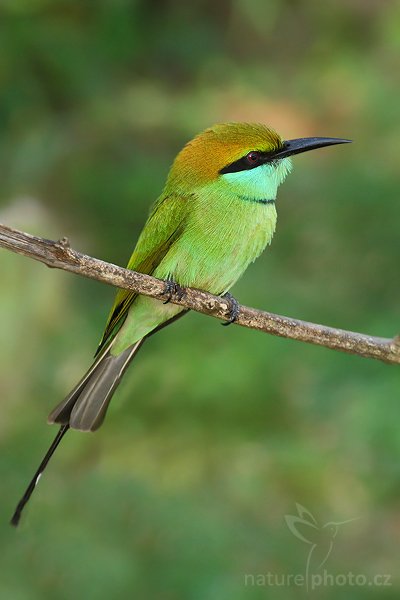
84 408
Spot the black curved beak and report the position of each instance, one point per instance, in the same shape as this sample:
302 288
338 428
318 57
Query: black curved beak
291 147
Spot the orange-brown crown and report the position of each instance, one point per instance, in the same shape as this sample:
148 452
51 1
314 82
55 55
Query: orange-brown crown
201 160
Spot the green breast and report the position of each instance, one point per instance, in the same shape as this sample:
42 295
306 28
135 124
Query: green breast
223 235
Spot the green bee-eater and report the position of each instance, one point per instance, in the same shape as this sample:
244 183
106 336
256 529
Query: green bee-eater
214 217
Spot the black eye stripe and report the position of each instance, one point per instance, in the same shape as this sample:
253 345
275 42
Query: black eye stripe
285 149
243 164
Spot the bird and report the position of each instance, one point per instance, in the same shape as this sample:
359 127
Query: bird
215 216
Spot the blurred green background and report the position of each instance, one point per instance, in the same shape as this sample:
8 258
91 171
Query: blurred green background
215 434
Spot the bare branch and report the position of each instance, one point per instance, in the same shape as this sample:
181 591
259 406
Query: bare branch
60 255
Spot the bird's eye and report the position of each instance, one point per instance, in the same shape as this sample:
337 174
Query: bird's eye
253 158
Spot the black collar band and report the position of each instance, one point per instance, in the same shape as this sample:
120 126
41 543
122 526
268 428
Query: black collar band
258 200
262 201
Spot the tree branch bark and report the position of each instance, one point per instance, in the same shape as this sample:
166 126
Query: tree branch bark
60 255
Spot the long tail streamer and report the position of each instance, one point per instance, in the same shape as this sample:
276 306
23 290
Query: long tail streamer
35 479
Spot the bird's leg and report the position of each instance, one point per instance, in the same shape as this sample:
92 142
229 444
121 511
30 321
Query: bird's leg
172 289
233 309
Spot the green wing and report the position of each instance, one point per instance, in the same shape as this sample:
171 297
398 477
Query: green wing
163 227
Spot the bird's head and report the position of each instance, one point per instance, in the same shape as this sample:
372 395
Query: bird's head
246 159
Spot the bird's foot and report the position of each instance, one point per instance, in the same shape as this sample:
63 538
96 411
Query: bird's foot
172 289
234 309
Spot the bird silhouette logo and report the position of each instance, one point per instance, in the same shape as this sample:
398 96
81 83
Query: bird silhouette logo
320 537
